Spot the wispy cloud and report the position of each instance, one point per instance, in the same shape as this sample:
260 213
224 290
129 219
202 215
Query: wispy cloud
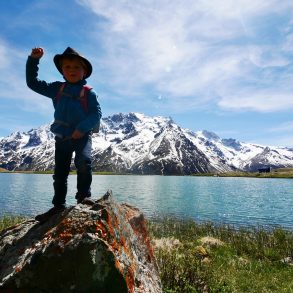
5 56
191 53
284 127
258 100
12 80
203 51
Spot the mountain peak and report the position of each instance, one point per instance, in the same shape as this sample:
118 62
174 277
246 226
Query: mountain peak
209 135
136 143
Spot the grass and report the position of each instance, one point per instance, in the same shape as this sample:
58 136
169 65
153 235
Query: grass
204 257
246 260
73 172
8 221
275 173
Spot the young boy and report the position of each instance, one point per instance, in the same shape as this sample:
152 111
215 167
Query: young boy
77 113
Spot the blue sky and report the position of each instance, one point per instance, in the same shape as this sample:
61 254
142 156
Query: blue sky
219 65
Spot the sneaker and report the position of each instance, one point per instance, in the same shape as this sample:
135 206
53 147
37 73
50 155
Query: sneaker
51 212
88 201
80 197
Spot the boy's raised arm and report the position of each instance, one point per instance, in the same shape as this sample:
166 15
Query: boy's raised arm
32 80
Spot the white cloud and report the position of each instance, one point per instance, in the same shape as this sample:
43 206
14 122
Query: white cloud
280 140
5 56
284 127
267 56
13 85
201 50
261 101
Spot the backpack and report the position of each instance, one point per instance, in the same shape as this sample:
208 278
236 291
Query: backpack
82 99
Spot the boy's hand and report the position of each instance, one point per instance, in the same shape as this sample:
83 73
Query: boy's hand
77 134
37 53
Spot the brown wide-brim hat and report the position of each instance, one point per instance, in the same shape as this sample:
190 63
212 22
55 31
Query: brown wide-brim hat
69 52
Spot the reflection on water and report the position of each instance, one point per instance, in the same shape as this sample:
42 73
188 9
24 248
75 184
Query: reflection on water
237 201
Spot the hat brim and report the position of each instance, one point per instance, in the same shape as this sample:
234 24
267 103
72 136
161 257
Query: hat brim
59 57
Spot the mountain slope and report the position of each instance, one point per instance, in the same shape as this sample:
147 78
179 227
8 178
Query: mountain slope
139 144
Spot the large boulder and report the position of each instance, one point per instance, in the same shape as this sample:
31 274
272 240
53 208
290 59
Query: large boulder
102 247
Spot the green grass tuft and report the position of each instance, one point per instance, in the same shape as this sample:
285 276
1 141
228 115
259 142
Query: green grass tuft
7 221
248 260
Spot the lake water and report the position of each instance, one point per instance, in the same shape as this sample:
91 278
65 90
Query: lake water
235 201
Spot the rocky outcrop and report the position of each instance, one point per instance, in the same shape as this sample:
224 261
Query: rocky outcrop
99 248
126 143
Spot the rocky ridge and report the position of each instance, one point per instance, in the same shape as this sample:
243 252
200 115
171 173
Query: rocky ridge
136 143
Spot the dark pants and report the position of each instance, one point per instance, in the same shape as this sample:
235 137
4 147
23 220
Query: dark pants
64 149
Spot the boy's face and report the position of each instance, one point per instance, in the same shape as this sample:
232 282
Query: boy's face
73 69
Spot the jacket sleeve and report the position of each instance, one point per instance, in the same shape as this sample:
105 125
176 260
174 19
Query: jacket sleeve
33 82
94 114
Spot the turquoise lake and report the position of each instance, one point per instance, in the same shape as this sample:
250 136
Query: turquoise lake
234 201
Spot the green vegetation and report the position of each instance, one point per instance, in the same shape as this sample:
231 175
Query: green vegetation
105 173
51 172
275 173
206 258
26 171
8 221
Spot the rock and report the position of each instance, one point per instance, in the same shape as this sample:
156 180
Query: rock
201 251
166 243
211 241
288 260
100 248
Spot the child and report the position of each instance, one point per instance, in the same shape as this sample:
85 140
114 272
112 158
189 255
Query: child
73 122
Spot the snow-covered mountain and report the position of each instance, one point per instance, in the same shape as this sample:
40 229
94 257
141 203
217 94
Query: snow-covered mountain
136 143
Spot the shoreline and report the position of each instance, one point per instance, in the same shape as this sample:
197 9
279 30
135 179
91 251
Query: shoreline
284 173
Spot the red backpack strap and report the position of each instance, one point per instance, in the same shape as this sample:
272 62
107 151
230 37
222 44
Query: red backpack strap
59 94
83 97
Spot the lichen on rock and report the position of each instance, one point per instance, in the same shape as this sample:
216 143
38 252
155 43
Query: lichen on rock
100 248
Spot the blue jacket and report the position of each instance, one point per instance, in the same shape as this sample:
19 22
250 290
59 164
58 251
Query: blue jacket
68 110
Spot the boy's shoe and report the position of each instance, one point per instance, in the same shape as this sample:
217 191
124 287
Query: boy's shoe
84 198
88 201
79 198
51 212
